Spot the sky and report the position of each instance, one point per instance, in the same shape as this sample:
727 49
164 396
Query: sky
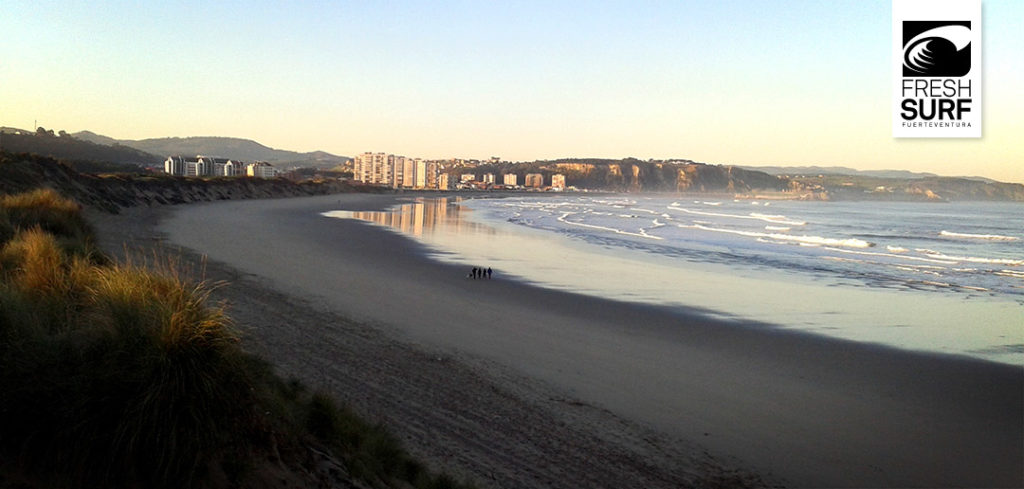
719 81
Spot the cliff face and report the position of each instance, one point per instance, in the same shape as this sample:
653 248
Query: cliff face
109 193
647 176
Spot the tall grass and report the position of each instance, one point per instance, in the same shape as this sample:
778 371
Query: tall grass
114 373
50 212
111 373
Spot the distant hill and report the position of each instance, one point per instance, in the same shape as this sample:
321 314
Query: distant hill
85 156
842 170
236 148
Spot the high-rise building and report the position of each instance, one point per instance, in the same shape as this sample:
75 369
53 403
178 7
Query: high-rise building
511 179
535 180
420 181
375 168
558 181
408 173
432 173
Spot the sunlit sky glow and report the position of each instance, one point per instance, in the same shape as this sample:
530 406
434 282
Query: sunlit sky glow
720 81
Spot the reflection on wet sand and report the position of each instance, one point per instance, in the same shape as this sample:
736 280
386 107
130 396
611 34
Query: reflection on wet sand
426 216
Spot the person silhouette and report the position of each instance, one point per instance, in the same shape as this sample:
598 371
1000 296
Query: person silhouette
473 273
489 273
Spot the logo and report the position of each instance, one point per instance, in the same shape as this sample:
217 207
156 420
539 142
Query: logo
934 49
936 69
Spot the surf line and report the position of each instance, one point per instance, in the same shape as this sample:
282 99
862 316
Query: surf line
641 234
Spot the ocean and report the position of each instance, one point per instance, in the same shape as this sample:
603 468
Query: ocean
946 278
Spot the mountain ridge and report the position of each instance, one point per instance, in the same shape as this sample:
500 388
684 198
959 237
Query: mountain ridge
844 170
229 147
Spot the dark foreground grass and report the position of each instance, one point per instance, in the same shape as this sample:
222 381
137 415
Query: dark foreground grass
124 375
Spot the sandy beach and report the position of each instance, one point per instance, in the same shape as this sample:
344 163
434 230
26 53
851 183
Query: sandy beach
517 386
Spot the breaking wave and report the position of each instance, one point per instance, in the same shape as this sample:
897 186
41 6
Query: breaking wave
989 237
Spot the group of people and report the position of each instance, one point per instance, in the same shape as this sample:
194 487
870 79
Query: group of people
479 272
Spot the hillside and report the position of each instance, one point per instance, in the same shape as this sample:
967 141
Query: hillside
77 151
842 170
235 148
860 187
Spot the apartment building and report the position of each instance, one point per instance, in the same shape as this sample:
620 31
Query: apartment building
558 181
260 169
535 180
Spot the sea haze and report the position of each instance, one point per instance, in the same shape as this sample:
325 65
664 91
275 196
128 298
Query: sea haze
936 277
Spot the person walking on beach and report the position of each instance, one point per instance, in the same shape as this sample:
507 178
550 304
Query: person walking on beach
472 274
488 273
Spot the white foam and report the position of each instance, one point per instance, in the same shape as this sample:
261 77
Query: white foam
896 249
777 228
816 240
976 259
641 234
775 219
902 257
988 237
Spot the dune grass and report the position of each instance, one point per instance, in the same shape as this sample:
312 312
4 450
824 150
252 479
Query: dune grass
125 375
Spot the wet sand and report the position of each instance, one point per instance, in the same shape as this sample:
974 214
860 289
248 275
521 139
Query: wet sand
661 388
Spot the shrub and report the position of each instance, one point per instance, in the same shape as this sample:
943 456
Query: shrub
114 374
48 210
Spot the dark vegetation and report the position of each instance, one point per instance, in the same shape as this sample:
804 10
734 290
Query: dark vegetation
84 156
124 375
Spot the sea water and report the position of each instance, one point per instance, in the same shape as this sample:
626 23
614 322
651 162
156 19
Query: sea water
943 278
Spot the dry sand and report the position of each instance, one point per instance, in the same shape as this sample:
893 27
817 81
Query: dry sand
523 387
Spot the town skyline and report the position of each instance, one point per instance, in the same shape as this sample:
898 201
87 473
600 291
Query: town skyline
730 83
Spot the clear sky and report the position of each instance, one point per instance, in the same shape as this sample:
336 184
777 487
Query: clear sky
721 81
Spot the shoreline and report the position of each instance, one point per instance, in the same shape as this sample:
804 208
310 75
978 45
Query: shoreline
805 410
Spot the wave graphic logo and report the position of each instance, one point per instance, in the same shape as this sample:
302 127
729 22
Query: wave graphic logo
936 49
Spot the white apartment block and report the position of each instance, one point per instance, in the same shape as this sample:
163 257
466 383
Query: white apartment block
202 166
375 168
260 169
489 178
409 173
421 173
175 165
511 179
395 171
